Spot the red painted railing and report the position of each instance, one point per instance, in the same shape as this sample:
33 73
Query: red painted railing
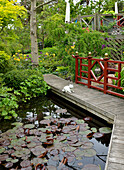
103 79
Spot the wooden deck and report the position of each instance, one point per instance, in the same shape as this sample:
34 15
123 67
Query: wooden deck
107 107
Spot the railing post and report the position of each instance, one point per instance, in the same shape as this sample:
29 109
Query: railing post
106 73
89 66
76 67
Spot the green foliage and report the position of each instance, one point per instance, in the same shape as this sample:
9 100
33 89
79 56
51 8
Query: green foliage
5 62
49 59
8 103
33 86
14 78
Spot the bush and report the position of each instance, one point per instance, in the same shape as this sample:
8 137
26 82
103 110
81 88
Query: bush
8 103
33 86
14 78
5 62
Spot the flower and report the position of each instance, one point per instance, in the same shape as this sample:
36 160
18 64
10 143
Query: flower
27 55
47 53
53 55
19 50
73 46
26 59
29 58
39 56
40 52
103 46
106 38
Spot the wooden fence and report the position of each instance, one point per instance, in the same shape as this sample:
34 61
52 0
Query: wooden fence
101 81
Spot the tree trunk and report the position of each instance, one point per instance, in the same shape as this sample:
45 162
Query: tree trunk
33 34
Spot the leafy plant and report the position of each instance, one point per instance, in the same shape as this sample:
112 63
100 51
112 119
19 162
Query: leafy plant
5 62
33 86
15 77
8 103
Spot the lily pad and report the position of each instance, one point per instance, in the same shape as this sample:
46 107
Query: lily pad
85 132
105 130
25 163
14 160
94 129
2 150
8 165
98 135
80 121
38 150
17 124
68 149
50 167
3 157
89 152
87 145
29 126
91 167
45 122
35 161
78 154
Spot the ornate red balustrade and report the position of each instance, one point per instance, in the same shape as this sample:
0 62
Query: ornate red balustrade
87 66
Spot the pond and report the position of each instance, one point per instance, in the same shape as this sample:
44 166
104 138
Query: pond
51 133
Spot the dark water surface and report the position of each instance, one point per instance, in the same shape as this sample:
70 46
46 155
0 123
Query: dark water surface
37 109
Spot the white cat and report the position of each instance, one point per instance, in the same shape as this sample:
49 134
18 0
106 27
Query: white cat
68 88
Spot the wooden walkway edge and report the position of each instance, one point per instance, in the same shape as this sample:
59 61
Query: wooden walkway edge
105 106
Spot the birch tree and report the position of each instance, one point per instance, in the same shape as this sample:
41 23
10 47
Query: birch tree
33 30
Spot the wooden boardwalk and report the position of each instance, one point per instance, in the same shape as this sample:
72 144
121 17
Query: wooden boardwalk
105 106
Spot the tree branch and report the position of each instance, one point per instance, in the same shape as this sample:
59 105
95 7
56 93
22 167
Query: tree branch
44 3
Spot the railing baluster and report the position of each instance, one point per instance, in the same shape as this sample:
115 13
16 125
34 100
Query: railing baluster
76 67
89 67
119 74
106 73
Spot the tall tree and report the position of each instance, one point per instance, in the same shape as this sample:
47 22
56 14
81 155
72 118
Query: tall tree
11 15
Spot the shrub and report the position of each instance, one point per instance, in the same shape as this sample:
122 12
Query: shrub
15 77
5 62
8 103
33 86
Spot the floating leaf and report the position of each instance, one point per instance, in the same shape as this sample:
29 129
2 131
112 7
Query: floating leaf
14 160
78 154
50 167
61 111
45 122
25 163
94 129
8 165
38 150
47 117
91 167
80 121
89 152
17 124
85 132
54 152
35 161
87 145
105 130
2 150
29 126
68 149
3 157
98 135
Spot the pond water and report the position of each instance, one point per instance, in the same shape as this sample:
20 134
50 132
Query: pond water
67 136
